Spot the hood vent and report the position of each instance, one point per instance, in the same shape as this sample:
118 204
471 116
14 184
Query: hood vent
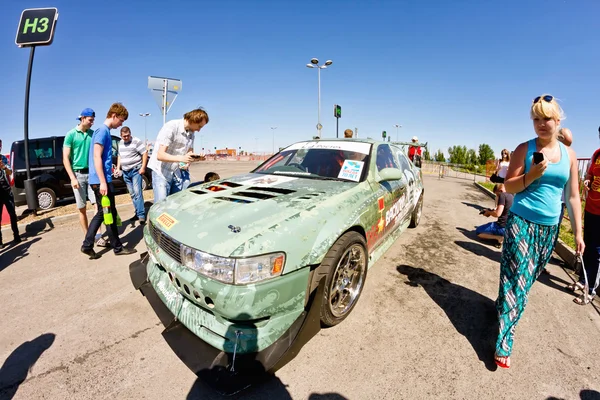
271 189
234 200
217 187
309 196
254 195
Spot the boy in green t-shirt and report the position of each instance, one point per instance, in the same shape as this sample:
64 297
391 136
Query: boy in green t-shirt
76 150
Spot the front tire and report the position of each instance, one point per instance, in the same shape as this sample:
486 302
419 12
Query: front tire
347 263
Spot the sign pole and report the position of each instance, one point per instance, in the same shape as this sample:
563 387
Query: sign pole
26 114
337 128
30 185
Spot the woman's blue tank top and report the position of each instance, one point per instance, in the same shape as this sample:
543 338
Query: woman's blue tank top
541 202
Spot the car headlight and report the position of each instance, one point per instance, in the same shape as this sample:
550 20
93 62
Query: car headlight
240 271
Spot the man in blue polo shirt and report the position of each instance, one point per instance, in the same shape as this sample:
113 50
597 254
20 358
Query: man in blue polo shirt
100 179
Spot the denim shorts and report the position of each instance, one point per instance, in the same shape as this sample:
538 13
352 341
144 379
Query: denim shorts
491 228
84 192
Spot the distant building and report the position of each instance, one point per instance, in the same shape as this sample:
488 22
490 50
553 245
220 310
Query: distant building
227 152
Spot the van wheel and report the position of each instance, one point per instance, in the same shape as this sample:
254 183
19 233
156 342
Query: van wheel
46 198
145 183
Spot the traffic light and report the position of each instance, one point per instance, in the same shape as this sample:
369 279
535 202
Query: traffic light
337 111
383 135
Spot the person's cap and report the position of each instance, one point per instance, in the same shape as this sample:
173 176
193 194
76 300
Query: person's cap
87 112
415 139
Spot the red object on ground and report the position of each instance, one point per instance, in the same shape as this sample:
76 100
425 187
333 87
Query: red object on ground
5 217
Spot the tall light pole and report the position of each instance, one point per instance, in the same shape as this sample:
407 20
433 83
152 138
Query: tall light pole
273 130
145 138
397 137
314 63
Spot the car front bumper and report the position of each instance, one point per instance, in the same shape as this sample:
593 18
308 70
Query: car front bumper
215 354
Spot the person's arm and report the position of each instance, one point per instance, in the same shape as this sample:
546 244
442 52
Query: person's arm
164 156
589 174
495 213
516 179
118 162
67 161
144 163
99 167
5 167
574 202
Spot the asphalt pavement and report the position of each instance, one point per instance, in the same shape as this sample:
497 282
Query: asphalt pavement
424 327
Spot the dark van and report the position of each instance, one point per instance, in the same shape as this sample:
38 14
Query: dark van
51 178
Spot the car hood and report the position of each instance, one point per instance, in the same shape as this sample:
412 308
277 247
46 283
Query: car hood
250 214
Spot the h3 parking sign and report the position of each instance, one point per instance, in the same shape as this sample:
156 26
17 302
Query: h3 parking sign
36 27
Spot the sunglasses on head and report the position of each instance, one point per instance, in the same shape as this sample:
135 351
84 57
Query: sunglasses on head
547 98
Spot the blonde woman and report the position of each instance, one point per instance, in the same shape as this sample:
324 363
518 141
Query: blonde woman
502 166
539 170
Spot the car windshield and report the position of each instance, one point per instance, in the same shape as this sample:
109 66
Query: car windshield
335 160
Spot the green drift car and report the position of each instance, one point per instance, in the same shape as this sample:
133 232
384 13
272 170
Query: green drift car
245 270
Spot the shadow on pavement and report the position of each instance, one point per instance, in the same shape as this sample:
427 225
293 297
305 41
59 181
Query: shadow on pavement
472 314
13 253
18 364
273 388
38 227
585 394
326 396
475 206
232 374
480 250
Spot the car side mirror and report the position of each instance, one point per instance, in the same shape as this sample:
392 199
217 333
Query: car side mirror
390 174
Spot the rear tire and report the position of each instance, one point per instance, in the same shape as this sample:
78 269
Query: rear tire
415 218
46 198
347 263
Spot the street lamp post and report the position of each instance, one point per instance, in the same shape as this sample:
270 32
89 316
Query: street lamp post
397 137
314 63
273 130
145 138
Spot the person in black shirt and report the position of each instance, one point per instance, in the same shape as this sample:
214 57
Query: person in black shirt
6 198
495 230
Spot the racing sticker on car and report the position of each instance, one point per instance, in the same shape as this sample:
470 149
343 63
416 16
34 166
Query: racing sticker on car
397 210
351 170
269 180
166 221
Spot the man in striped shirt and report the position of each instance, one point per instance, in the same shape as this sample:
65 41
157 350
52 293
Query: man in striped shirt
131 162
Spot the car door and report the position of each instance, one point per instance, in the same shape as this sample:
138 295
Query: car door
391 199
409 176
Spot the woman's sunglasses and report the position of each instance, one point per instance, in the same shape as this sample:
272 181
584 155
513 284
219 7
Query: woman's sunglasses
547 98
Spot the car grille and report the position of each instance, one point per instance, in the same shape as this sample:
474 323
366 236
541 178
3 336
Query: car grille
166 243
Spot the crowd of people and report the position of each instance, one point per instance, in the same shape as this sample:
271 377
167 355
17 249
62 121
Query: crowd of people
87 157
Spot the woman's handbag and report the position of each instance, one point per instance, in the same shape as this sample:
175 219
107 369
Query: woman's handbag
496 179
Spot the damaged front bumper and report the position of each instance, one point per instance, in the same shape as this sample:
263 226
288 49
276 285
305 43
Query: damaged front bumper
204 358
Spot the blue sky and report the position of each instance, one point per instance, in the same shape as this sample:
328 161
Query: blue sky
450 72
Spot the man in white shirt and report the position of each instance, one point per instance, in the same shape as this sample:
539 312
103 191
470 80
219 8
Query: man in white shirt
174 151
131 162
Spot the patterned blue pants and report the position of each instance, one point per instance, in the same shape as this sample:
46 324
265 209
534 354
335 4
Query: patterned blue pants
526 251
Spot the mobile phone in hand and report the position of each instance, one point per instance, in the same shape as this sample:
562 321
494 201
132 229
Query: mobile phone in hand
538 157
196 156
482 211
